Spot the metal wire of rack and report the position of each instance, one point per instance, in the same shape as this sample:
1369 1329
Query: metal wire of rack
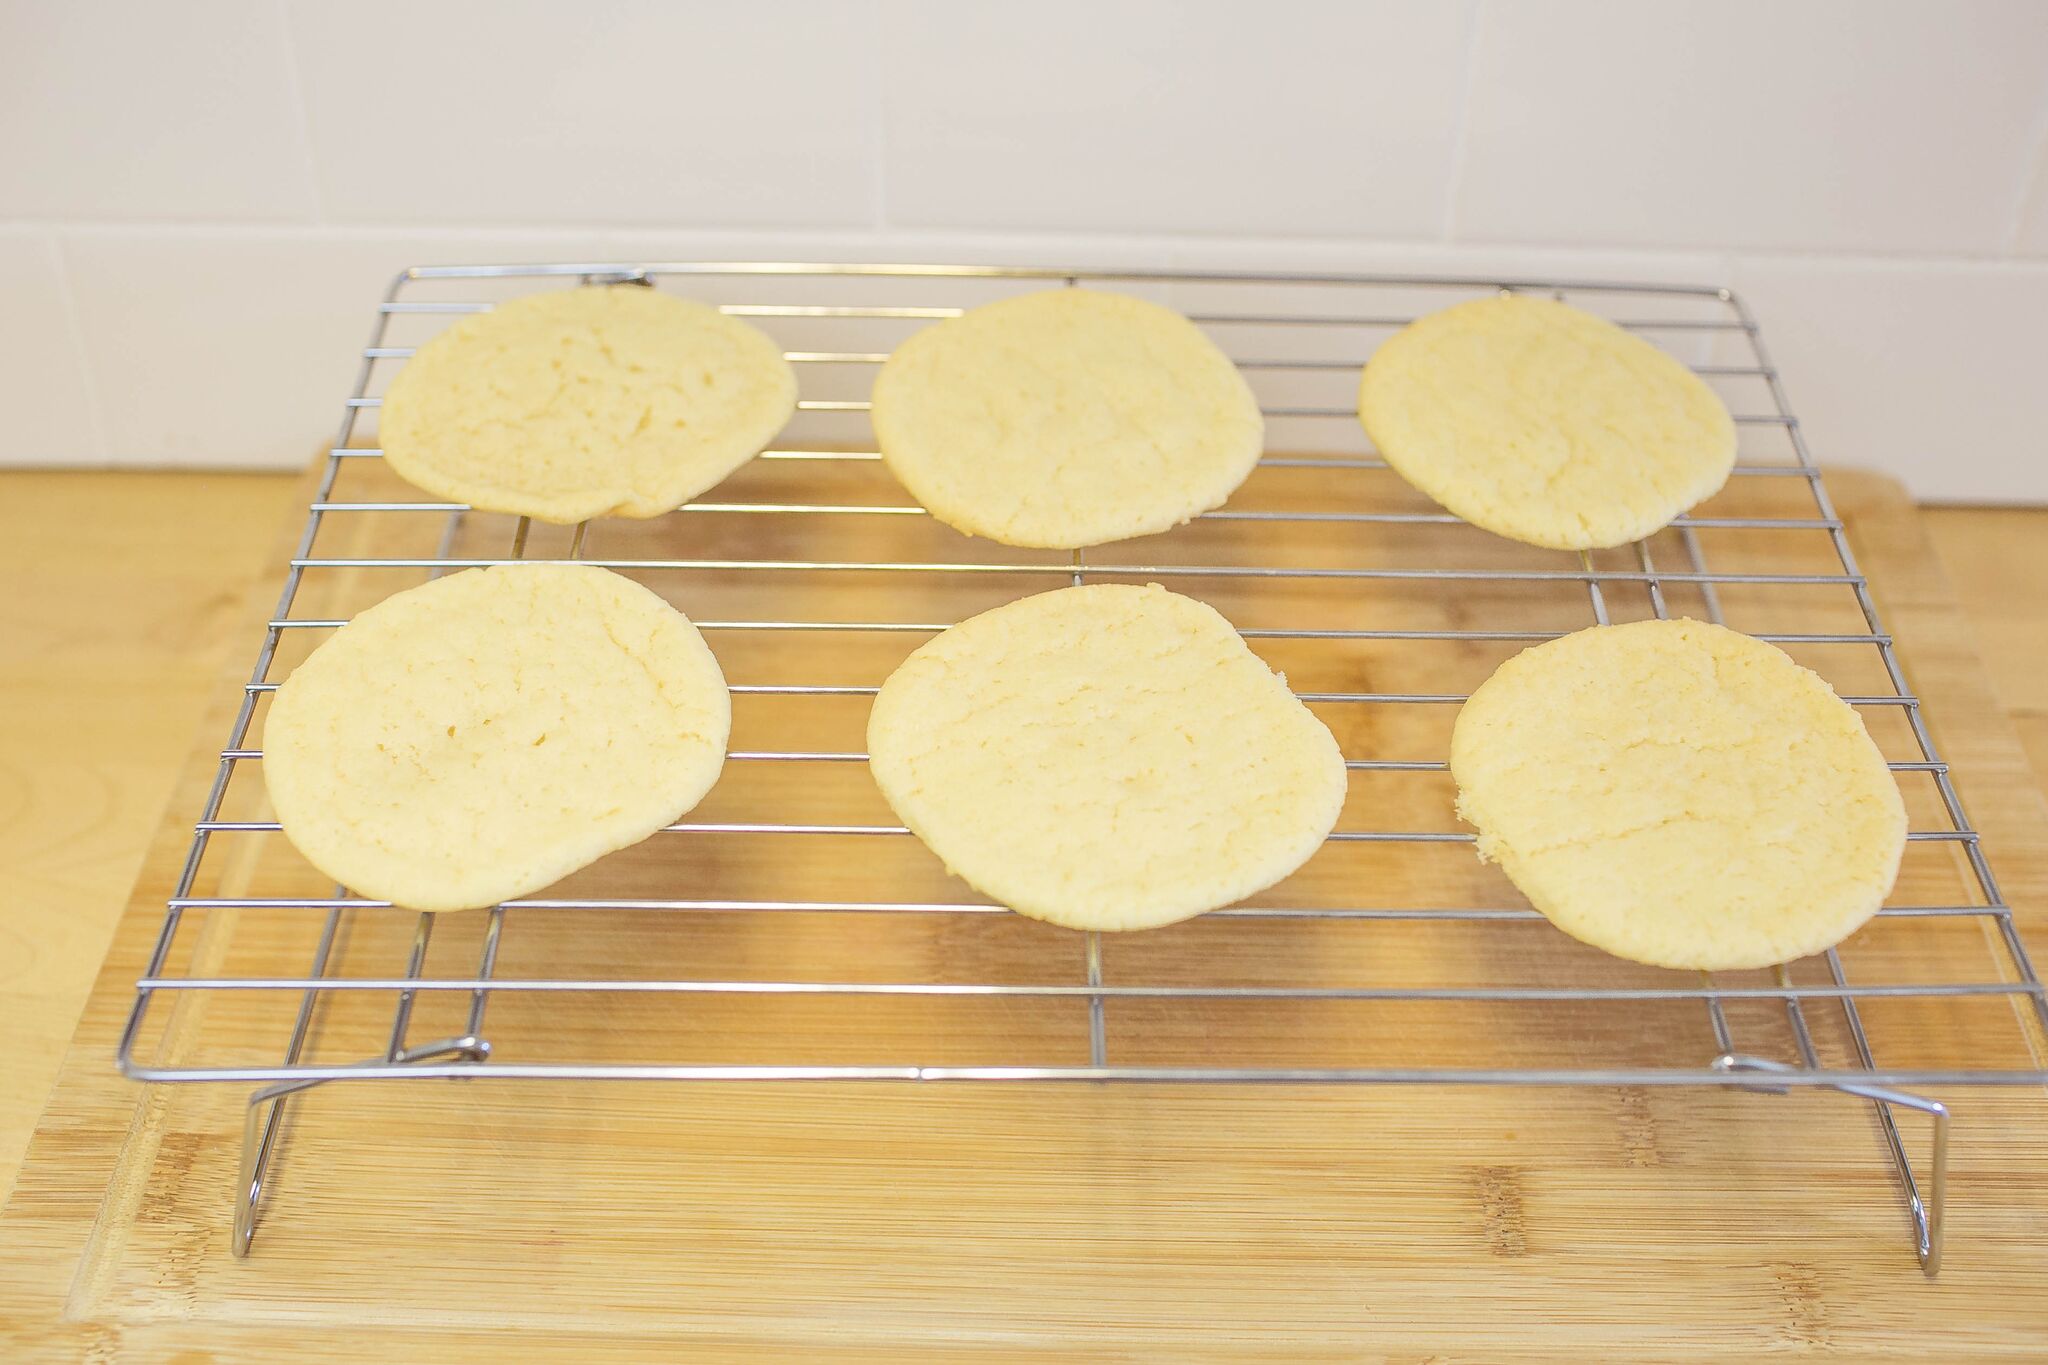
1300 338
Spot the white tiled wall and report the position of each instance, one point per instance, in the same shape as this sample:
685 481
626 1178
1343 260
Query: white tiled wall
199 201
535 111
1304 120
1813 125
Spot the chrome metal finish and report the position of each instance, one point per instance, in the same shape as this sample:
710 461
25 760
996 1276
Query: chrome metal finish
1324 328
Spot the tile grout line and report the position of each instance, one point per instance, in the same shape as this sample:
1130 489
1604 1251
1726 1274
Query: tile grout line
1454 177
784 236
295 77
96 414
878 131
2033 178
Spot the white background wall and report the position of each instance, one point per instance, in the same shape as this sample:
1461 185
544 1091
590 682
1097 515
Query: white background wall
200 201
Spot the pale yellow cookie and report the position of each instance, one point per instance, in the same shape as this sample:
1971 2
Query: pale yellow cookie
1545 424
1066 418
1679 794
1105 757
486 734
603 401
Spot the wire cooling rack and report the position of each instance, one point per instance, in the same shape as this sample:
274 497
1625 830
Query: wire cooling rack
788 929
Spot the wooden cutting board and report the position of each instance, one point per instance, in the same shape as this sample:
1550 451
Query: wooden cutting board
481 1219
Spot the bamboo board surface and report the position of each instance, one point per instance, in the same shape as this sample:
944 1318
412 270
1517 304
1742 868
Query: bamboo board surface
626 1220
1997 559
117 618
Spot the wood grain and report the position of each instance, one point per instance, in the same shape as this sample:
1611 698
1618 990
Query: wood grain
621 1221
1997 558
123 593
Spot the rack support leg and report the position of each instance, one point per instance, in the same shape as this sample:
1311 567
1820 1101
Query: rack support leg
1926 1208
264 1123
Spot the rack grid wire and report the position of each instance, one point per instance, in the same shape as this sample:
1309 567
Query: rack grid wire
810 569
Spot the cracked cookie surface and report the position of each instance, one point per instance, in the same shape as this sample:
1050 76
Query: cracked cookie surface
1679 794
1066 418
1545 424
601 401
484 735
1105 757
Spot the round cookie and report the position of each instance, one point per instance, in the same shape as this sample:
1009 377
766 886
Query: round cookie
1066 418
1545 424
1105 757
1679 794
486 734
603 401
